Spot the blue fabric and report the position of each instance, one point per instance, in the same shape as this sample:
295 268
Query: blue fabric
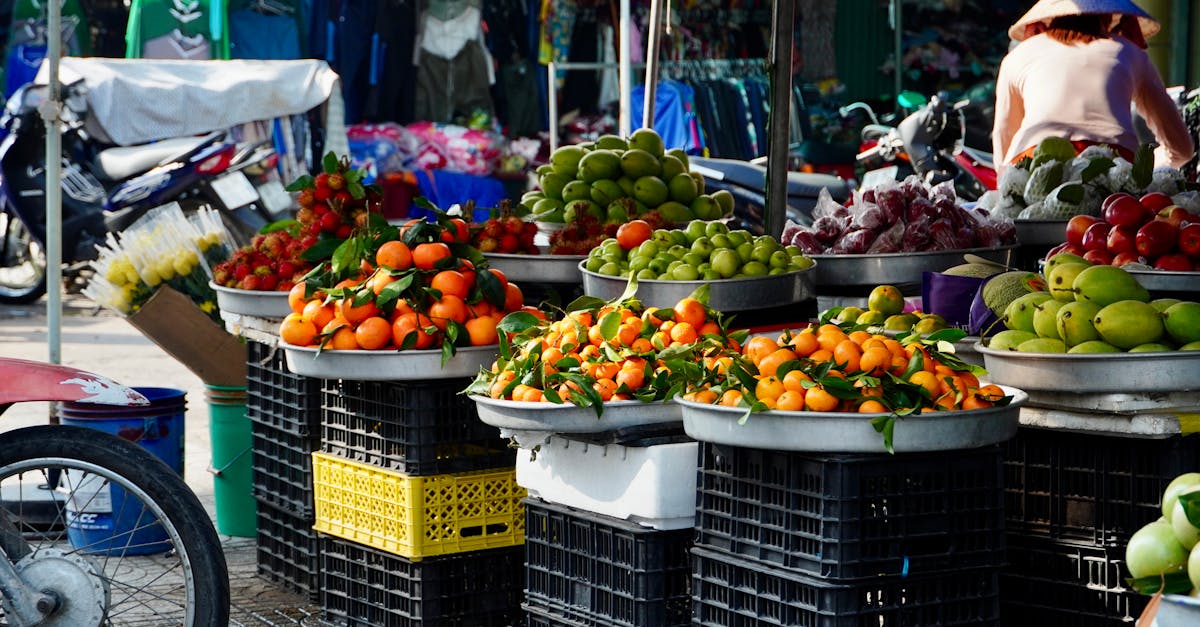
22 67
444 189
672 115
253 35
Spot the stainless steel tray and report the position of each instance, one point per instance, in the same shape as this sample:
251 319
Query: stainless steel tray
538 268
387 365
252 303
896 268
1177 610
848 432
1164 281
1099 373
746 294
1041 231
1117 403
570 418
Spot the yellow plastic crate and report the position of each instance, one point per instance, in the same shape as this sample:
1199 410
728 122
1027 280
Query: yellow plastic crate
417 517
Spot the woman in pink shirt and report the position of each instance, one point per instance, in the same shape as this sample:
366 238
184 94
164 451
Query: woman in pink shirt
1079 66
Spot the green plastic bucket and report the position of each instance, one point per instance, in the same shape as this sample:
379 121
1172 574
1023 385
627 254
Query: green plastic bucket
232 444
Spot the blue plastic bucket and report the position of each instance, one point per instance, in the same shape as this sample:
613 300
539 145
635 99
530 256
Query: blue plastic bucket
101 518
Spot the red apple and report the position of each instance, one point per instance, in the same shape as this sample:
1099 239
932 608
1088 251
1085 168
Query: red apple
1120 240
1108 200
1057 249
1156 237
1096 236
1175 262
1125 211
1189 240
1099 256
1128 257
1175 215
1076 227
1074 250
1153 201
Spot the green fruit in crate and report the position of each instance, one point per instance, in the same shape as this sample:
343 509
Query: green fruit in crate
671 167
1153 550
682 189
682 155
1061 280
1127 323
1075 322
736 238
675 213
611 142
604 191
705 208
1060 259
578 208
545 168
1161 304
695 230
850 314
1010 339
626 185
1105 285
638 163
1182 322
1019 313
565 159
1190 346
548 207
886 299
1042 345
599 164
900 322
576 190
1178 485
1045 319
1186 533
1151 347
929 324
1094 346
552 184
651 190
725 262
647 139
700 182
871 317
530 198
616 213
724 198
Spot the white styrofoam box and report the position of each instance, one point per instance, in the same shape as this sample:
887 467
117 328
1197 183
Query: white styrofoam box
654 486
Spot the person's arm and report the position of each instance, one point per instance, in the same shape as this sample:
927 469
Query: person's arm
1009 112
1163 118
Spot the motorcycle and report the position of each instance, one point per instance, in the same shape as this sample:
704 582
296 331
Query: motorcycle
106 188
95 530
928 142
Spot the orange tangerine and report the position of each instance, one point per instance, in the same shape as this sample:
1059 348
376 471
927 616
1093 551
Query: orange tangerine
927 380
819 399
804 343
790 400
731 398
769 365
794 380
847 354
296 330
768 387
872 407
758 347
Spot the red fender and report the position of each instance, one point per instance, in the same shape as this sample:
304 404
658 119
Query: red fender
25 380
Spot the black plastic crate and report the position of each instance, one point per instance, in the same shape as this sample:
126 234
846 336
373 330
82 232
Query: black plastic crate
287 549
605 571
1065 584
851 516
536 616
728 591
1091 488
277 397
282 468
421 428
364 586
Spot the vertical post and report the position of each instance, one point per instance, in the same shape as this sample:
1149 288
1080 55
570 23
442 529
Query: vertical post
654 41
552 102
50 115
779 120
897 19
625 73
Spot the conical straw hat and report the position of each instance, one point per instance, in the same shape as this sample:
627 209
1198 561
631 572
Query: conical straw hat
1046 10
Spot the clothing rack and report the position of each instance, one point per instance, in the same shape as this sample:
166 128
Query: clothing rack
669 69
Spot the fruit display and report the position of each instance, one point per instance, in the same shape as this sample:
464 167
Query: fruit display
505 233
419 286
614 179
908 216
1092 309
1058 182
335 201
272 261
585 233
1163 555
703 251
1150 230
885 310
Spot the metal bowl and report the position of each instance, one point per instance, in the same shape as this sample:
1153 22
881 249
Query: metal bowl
1099 373
848 432
570 418
1041 231
896 268
1167 281
538 268
385 365
772 290
252 303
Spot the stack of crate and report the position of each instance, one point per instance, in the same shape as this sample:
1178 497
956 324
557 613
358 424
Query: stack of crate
417 506
787 538
1073 498
285 414
608 527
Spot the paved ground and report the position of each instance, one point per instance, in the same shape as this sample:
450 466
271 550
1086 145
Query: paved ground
98 341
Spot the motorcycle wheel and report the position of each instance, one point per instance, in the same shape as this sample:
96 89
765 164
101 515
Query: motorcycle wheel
155 560
22 263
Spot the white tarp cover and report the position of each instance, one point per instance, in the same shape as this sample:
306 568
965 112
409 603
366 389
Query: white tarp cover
135 101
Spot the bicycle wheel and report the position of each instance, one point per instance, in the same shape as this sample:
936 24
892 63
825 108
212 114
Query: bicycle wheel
110 530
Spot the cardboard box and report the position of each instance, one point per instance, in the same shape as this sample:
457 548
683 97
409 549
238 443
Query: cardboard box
173 322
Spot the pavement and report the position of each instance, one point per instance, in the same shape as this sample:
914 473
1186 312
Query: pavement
99 341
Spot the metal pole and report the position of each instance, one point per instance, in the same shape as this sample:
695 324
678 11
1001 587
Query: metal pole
552 102
50 115
625 73
653 43
897 50
779 120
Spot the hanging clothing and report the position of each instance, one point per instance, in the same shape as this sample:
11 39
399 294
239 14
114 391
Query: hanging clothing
177 29
674 115
454 68
390 96
254 34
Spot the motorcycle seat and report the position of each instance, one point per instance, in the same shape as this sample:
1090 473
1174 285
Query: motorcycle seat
123 162
984 159
754 177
